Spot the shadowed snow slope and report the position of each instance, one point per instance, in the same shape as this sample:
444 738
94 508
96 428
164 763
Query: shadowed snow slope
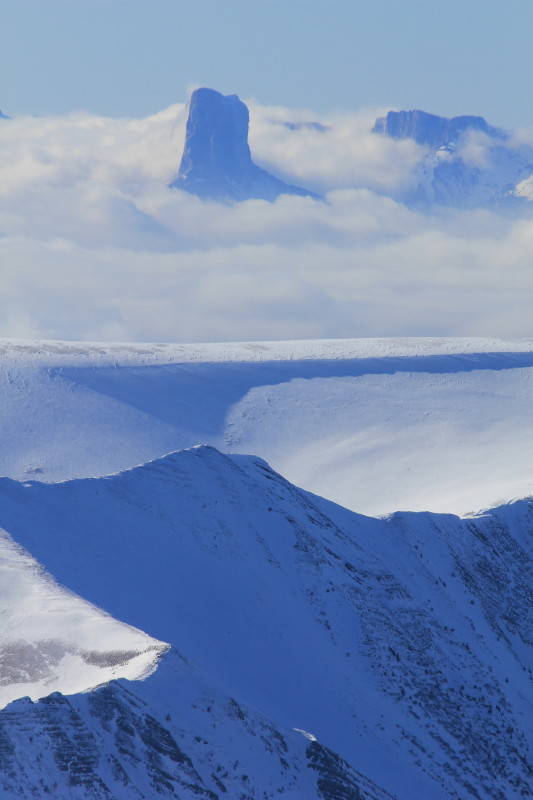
376 425
400 643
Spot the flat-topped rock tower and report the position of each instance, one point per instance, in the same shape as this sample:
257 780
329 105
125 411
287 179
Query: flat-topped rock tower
216 162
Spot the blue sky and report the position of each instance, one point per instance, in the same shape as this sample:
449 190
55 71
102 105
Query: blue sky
135 57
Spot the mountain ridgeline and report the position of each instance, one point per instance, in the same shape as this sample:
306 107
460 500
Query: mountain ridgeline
464 162
316 653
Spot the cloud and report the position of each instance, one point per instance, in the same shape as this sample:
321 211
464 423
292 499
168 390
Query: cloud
94 245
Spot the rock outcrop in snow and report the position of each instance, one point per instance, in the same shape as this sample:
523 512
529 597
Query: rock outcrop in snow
431 129
468 163
216 162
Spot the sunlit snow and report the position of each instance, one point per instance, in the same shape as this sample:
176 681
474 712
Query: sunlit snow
51 640
375 425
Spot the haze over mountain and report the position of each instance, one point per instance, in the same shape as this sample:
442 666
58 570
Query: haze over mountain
467 162
430 129
95 246
471 164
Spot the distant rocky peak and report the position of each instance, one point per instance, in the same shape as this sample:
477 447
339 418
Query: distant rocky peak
317 127
216 162
217 136
431 129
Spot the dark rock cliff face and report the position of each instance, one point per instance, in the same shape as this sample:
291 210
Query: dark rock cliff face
431 129
216 162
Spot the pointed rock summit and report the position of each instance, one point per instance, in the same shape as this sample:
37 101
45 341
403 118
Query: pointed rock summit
431 129
216 162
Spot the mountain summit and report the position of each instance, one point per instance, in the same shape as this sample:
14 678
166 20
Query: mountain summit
216 162
494 173
431 129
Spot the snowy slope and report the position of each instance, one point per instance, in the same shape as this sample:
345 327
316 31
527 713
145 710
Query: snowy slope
51 640
402 644
176 735
376 425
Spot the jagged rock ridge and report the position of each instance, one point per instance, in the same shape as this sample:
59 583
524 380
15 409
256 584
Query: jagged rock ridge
216 162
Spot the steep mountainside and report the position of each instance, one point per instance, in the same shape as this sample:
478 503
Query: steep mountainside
216 162
401 644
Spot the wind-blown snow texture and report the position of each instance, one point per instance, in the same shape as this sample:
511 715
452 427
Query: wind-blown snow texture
400 644
376 425
430 129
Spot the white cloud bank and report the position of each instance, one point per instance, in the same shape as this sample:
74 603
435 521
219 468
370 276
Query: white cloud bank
95 246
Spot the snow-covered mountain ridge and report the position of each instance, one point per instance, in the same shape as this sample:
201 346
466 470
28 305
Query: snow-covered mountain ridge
65 353
351 420
401 644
